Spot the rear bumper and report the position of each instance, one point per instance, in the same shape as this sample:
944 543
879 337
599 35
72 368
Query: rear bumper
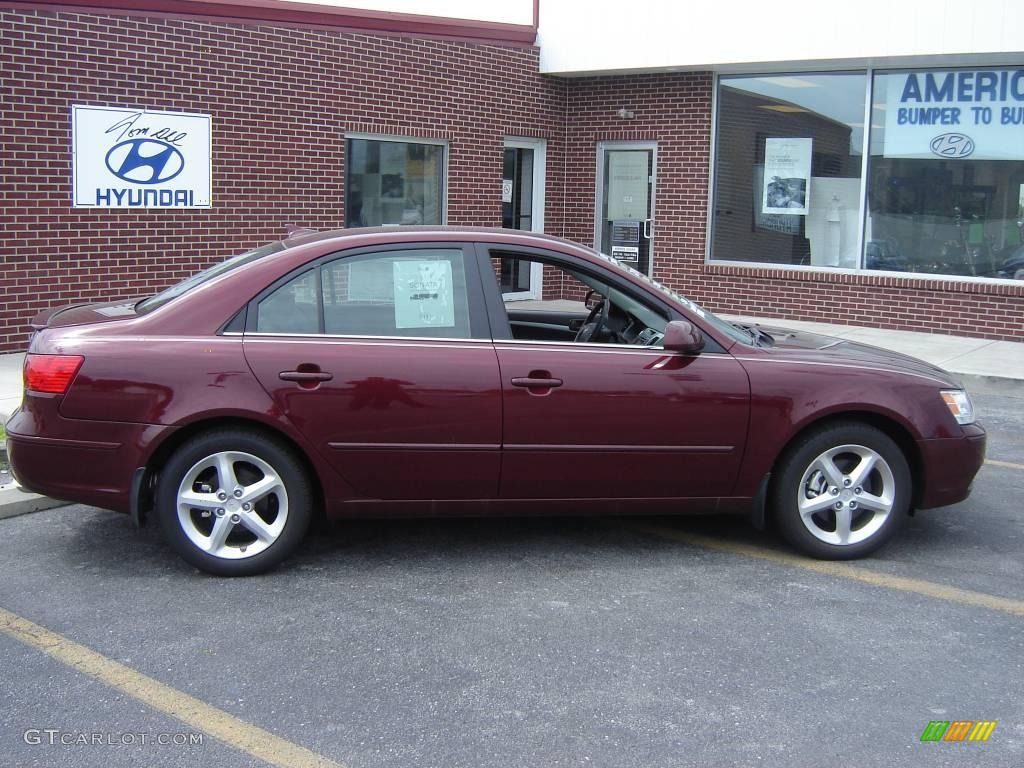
89 462
950 466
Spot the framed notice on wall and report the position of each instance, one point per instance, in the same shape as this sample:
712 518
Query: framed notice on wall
786 187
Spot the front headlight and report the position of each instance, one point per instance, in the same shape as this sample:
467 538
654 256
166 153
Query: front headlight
959 404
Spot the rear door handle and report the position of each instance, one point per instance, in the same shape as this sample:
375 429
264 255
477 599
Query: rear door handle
305 376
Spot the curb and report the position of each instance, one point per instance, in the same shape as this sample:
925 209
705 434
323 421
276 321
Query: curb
14 502
991 385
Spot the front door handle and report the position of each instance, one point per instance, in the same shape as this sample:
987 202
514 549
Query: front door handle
531 382
537 382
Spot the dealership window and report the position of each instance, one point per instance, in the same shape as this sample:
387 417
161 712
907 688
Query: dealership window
394 182
944 188
787 180
946 172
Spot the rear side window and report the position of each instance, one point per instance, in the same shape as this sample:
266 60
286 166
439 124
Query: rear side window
419 292
410 293
292 308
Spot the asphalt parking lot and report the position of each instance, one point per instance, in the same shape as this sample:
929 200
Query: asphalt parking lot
505 643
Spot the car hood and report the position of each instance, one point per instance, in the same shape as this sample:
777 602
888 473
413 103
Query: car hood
815 347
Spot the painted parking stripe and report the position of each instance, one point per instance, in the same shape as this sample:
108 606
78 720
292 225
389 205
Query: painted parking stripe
845 571
1007 464
189 710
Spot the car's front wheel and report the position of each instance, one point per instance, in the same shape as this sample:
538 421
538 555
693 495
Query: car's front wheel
234 502
841 491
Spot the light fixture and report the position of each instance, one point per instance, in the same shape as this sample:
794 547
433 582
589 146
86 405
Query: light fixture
625 114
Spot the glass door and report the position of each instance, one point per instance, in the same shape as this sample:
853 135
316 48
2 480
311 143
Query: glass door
522 207
625 211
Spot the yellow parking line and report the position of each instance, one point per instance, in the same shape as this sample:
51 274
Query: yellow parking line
1008 464
846 571
188 709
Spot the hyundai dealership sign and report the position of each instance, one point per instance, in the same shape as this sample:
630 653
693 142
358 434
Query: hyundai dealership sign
968 113
134 158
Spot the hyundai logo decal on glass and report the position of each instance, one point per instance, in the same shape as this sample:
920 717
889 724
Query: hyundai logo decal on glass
952 145
976 113
138 158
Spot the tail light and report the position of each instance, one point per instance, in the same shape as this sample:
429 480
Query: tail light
51 373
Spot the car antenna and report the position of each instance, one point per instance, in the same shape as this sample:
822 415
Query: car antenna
294 230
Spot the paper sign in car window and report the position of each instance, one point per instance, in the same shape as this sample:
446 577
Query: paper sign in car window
424 296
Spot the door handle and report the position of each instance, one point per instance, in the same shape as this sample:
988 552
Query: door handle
305 376
531 382
537 382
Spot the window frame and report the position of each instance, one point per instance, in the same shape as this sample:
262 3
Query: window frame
479 324
403 139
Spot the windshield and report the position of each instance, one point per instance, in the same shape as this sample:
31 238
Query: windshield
148 305
732 331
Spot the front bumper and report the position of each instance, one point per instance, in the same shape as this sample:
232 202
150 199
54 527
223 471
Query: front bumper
949 466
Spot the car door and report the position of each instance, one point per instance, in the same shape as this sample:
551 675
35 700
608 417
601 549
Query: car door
598 420
383 360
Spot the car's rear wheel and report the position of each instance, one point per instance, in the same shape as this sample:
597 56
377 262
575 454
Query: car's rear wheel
234 502
842 491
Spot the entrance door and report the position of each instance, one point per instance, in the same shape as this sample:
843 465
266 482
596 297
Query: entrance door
522 207
625 212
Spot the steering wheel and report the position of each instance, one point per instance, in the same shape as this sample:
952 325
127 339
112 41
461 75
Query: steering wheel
596 320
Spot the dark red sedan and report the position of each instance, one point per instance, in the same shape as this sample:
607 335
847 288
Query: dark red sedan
373 372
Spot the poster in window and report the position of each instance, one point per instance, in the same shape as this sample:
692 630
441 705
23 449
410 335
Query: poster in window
787 176
424 294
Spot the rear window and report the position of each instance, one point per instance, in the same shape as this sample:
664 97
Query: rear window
148 305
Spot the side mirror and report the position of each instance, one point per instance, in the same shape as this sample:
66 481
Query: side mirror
681 336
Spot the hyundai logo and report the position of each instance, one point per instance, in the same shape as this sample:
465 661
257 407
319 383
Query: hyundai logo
952 145
145 161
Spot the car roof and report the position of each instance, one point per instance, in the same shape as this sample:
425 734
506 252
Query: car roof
402 233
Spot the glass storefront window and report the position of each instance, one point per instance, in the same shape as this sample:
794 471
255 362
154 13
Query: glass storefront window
787 179
393 182
946 173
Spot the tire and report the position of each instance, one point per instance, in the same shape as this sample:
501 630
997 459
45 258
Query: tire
246 525
827 467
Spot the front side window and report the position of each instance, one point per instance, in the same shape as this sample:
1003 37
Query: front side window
946 173
393 182
787 180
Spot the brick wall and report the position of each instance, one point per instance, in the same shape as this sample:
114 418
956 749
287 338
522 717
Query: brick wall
675 111
281 99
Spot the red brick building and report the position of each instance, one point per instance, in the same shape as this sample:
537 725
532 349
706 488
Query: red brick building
326 117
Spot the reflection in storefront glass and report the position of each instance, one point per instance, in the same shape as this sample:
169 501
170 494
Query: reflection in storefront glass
946 173
787 181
